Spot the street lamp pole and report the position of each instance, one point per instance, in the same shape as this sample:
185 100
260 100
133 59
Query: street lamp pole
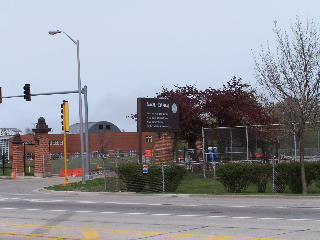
80 100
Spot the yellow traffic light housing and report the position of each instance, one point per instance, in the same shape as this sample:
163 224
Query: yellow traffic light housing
65 116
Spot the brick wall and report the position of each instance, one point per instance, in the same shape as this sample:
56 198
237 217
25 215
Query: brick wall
162 144
110 141
18 159
163 147
42 164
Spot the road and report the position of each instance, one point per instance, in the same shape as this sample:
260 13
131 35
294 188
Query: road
29 213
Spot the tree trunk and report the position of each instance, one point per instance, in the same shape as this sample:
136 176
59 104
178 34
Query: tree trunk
303 174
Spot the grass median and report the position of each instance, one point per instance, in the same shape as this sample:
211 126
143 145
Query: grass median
94 185
192 183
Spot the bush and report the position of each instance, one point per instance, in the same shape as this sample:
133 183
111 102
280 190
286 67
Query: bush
136 181
131 174
173 176
235 176
290 174
154 179
260 175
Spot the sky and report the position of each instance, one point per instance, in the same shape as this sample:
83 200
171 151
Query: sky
128 49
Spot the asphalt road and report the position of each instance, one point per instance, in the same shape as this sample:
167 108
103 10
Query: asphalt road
29 213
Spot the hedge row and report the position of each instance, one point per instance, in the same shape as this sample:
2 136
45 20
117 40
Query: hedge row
136 181
237 176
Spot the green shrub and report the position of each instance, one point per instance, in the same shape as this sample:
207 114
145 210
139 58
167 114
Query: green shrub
173 176
136 181
235 176
260 175
290 174
154 179
131 174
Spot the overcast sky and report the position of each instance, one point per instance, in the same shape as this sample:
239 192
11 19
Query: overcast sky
128 49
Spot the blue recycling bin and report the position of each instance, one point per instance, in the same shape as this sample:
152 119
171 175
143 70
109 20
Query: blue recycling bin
212 154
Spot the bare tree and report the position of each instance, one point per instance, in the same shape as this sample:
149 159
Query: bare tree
291 74
103 144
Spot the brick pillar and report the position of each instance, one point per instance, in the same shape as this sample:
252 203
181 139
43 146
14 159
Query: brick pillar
17 156
42 163
163 148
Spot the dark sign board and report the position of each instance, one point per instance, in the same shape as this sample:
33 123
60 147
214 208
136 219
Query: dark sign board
157 115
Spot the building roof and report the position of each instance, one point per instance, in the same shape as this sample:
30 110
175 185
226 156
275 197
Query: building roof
95 127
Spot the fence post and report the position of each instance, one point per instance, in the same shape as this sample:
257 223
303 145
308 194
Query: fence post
104 171
214 177
295 142
247 138
203 154
117 176
273 176
163 185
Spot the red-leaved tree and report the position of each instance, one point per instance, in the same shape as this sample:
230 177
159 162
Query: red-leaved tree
234 104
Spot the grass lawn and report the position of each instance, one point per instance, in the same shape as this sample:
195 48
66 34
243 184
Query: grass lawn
192 183
94 185
197 184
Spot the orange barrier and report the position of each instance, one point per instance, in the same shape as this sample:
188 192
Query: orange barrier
69 172
77 172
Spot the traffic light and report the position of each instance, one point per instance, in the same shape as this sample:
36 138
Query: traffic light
0 94
27 92
65 116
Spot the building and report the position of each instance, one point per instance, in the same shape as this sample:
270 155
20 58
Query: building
109 141
38 149
95 127
103 135
5 135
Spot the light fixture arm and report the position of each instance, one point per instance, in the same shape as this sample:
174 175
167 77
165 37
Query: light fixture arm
74 41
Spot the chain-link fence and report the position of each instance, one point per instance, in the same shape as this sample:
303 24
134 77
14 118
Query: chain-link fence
122 171
269 149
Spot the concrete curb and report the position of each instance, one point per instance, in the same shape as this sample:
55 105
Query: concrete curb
42 190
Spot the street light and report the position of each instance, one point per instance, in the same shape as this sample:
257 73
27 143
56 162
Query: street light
80 99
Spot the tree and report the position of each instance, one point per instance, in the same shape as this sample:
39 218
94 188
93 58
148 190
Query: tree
234 104
103 144
190 101
291 75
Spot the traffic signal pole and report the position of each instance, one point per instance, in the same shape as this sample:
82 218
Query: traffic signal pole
86 130
66 181
85 164
44 94
65 128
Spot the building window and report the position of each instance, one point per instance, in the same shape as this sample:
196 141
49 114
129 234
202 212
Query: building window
54 156
148 139
75 155
30 156
28 143
108 126
4 146
100 126
56 142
